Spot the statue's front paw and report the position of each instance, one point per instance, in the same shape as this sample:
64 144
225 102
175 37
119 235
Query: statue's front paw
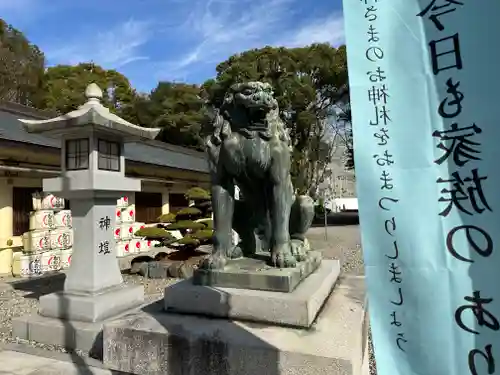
282 257
299 250
215 261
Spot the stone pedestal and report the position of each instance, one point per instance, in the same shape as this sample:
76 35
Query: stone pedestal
298 308
95 307
254 273
94 288
175 344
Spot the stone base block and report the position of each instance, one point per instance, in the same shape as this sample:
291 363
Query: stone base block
298 308
254 273
91 307
84 336
171 344
52 331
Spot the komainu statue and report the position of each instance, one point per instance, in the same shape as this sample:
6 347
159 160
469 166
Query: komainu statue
249 147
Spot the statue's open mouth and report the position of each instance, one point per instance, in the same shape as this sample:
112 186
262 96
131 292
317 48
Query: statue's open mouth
258 117
259 112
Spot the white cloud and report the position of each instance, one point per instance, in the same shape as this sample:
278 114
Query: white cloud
224 27
114 48
326 30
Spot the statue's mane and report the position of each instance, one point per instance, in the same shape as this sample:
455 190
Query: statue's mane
223 118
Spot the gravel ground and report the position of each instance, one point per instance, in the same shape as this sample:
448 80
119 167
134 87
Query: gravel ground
342 242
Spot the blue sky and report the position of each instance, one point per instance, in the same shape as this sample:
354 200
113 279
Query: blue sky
177 40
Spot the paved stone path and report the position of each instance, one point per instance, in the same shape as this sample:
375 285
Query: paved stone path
16 363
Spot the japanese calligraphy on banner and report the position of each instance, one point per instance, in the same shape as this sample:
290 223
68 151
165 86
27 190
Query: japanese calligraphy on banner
423 80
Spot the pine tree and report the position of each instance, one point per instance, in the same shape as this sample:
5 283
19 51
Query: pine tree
193 222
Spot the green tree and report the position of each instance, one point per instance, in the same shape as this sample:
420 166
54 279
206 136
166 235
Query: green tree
346 118
177 109
21 67
309 84
64 88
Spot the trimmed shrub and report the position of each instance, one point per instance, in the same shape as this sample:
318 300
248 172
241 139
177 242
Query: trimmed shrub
185 225
154 233
197 193
167 218
204 204
209 223
185 221
188 241
204 235
188 213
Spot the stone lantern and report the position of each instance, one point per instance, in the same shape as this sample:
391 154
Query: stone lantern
93 178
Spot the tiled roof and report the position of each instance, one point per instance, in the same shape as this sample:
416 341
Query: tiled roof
151 152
